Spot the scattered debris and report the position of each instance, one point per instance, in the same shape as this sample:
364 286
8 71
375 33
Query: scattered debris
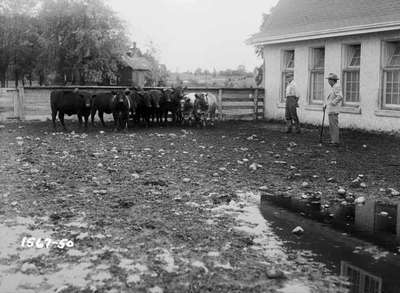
298 231
359 200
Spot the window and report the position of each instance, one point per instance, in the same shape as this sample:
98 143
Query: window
361 281
317 75
351 74
287 70
391 76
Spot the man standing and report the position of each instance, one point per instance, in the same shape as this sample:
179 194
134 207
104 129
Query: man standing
292 99
332 106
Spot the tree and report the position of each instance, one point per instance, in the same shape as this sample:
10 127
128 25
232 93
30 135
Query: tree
18 38
198 71
85 40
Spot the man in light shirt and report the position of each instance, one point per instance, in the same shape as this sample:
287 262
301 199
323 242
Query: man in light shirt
292 99
332 106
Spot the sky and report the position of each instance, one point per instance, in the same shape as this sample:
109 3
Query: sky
190 34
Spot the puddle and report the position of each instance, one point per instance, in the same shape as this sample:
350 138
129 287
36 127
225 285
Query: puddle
14 258
373 221
294 287
250 221
11 234
329 237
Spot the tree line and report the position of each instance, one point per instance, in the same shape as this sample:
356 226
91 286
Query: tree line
62 41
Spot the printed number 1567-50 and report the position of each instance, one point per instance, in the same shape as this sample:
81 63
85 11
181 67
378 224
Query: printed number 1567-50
45 243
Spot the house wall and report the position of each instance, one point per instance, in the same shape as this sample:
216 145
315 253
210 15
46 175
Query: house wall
368 115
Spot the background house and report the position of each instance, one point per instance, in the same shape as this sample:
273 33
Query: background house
134 69
359 40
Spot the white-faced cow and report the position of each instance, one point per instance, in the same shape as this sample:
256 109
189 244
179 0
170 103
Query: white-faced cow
204 108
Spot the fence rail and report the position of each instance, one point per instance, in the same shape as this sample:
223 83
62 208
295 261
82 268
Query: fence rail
33 103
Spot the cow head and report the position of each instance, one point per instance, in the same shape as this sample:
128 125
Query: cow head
120 99
135 100
145 97
87 99
168 93
200 104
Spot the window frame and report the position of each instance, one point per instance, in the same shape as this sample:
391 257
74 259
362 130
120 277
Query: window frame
348 69
387 46
313 72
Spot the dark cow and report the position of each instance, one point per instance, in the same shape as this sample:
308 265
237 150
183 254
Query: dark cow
144 106
170 102
123 105
103 103
156 97
70 103
204 108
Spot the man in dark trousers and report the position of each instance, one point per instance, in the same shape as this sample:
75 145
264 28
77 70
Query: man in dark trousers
292 99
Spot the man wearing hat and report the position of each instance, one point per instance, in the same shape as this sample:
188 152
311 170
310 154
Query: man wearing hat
332 106
292 99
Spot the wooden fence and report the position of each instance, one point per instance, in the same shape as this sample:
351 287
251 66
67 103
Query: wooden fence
33 103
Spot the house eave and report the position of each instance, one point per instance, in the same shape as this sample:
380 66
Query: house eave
259 39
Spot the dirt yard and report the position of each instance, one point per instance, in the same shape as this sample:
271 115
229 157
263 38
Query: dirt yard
147 210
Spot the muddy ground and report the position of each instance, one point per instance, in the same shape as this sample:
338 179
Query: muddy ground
172 209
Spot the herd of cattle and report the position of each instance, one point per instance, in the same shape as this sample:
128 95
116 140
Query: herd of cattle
142 106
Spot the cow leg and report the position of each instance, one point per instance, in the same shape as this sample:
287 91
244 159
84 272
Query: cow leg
92 114
101 113
53 117
86 121
80 120
61 117
115 116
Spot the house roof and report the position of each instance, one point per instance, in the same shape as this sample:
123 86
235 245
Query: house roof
136 63
292 20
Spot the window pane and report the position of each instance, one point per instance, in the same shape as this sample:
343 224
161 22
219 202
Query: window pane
395 57
317 86
352 86
391 90
318 58
289 59
355 53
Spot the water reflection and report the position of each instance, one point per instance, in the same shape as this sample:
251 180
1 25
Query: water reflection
369 268
377 217
361 281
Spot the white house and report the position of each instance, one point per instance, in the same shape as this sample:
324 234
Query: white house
359 40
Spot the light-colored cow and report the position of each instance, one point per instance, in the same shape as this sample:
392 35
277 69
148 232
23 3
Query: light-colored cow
205 107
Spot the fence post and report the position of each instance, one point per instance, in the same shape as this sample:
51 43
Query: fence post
21 103
220 104
251 98
16 102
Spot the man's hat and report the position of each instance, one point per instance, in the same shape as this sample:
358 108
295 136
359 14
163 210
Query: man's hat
332 76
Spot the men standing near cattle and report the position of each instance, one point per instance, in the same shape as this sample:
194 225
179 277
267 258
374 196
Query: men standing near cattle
332 106
292 99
